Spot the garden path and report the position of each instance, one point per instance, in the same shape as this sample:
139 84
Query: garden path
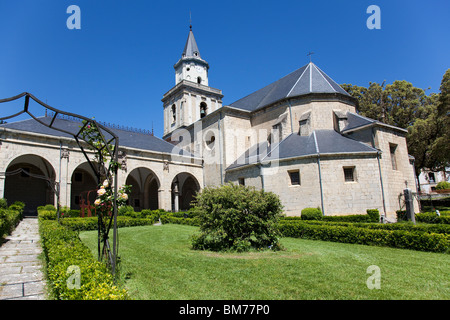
21 277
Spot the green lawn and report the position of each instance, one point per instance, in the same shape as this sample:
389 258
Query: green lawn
158 264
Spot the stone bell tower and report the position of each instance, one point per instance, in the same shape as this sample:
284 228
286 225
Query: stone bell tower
191 99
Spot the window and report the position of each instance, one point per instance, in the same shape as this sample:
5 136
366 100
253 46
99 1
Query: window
241 181
174 113
392 149
349 174
295 177
199 80
203 107
431 177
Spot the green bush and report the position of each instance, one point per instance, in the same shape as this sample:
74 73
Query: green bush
443 185
10 218
235 217
311 214
374 215
125 211
62 249
3 203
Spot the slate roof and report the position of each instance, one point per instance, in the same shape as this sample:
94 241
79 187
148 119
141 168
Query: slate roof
355 121
191 47
307 79
294 145
126 138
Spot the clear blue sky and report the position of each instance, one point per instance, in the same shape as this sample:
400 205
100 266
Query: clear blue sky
117 67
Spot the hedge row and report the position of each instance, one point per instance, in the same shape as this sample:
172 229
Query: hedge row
91 223
404 239
62 249
10 217
426 217
423 227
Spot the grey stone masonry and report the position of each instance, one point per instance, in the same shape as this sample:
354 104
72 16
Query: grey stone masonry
21 277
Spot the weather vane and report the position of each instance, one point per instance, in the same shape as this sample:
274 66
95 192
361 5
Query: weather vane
309 55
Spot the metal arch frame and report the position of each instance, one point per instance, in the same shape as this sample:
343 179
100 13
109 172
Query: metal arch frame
104 228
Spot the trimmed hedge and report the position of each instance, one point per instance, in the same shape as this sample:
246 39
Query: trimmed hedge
10 217
422 241
63 248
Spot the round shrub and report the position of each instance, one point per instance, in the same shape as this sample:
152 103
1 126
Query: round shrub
311 214
237 218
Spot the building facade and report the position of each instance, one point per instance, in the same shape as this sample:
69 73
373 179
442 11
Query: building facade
299 137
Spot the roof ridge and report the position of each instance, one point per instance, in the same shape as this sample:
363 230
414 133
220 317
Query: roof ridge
321 74
296 82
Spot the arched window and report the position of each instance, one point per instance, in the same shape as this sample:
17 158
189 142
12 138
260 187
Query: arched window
174 113
203 108
199 80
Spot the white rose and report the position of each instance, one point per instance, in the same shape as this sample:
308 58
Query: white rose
101 191
97 202
106 183
124 196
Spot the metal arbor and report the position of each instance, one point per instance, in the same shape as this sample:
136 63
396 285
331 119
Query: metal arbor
105 144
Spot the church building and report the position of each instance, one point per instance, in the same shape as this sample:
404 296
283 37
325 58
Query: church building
299 137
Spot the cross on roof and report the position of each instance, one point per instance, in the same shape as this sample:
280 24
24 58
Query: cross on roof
310 54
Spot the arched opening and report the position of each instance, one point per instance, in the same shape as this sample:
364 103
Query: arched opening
203 109
174 113
199 80
184 188
32 191
144 191
83 188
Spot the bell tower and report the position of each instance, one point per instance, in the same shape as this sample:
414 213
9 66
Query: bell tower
191 99
191 66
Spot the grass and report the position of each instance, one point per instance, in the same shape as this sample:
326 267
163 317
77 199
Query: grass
158 264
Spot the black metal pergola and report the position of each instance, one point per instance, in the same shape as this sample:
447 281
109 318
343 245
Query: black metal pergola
104 143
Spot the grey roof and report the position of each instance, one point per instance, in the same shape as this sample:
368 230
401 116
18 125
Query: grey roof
356 121
294 146
191 47
126 138
307 79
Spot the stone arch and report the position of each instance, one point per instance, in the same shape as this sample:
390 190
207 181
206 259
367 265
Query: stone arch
83 186
184 187
145 189
32 191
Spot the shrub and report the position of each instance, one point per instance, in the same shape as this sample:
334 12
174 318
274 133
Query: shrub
10 218
235 217
62 248
311 214
373 214
3 203
443 185
125 211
